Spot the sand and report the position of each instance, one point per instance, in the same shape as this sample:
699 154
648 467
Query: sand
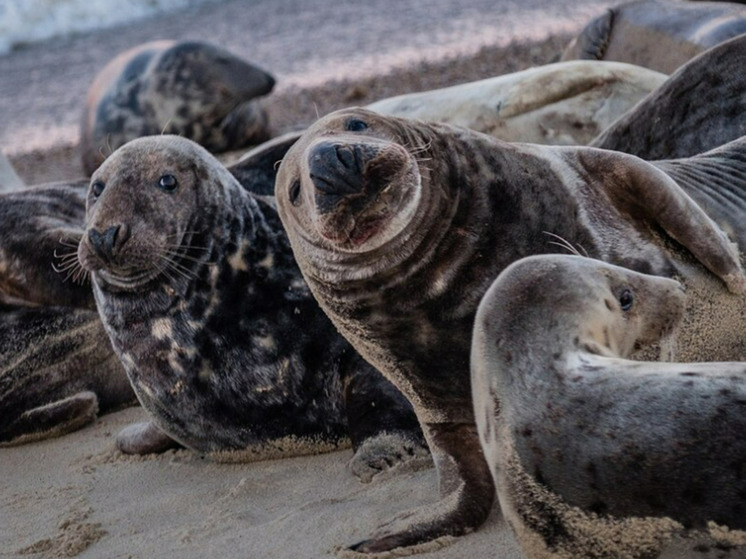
76 496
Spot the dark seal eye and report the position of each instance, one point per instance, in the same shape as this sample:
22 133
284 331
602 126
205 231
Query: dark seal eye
168 183
356 125
97 188
625 299
295 193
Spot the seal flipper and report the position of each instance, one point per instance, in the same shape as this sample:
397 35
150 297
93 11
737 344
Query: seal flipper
593 40
382 424
257 169
642 191
717 182
698 108
51 420
466 489
144 438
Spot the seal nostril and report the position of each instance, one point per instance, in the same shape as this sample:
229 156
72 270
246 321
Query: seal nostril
104 243
346 157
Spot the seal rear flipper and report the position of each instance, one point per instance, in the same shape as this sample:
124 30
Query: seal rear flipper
642 192
717 182
51 420
382 424
593 40
697 109
466 488
257 169
144 438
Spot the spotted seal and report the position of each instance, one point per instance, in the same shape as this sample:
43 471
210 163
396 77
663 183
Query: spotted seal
593 454
190 88
400 227
57 368
657 34
223 343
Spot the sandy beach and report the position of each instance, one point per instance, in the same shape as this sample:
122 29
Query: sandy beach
76 496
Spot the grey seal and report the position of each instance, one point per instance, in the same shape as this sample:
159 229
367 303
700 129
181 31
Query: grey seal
223 343
658 34
190 88
594 454
400 227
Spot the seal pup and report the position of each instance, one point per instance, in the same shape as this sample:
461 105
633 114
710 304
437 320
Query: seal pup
592 454
698 108
401 226
190 88
223 343
658 34
567 103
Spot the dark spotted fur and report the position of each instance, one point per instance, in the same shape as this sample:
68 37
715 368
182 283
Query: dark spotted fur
193 89
226 348
403 281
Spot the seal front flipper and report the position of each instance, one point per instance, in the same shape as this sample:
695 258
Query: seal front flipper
144 438
643 193
257 168
717 182
381 422
51 420
466 493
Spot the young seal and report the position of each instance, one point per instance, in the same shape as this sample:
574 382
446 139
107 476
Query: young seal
400 227
193 89
566 103
698 108
594 455
658 34
223 343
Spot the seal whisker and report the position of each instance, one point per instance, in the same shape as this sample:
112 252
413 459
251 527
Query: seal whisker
564 243
64 242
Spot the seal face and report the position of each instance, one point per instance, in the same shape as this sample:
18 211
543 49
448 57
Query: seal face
221 339
405 290
659 34
567 421
192 89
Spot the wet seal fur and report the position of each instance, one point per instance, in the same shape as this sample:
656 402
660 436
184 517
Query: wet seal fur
221 339
400 227
57 369
189 88
593 454
658 34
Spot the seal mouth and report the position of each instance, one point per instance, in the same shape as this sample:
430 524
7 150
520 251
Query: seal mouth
129 281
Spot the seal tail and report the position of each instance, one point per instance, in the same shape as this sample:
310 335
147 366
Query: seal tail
716 180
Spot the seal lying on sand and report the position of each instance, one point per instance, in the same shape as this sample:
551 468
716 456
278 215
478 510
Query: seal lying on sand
400 227
221 339
567 103
594 455
193 89
657 34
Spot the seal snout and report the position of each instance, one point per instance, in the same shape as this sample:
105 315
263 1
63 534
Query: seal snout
337 169
106 243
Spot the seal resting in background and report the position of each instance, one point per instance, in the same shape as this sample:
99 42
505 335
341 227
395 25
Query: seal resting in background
57 369
223 343
400 227
567 103
189 88
594 455
658 34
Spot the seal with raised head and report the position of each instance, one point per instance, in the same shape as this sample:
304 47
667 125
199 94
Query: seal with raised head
658 34
221 339
401 226
189 88
594 455
57 369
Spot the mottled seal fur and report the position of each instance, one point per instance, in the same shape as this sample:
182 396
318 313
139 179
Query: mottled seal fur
566 103
223 343
657 34
699 107
652 449
189 88
401 226
57 369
